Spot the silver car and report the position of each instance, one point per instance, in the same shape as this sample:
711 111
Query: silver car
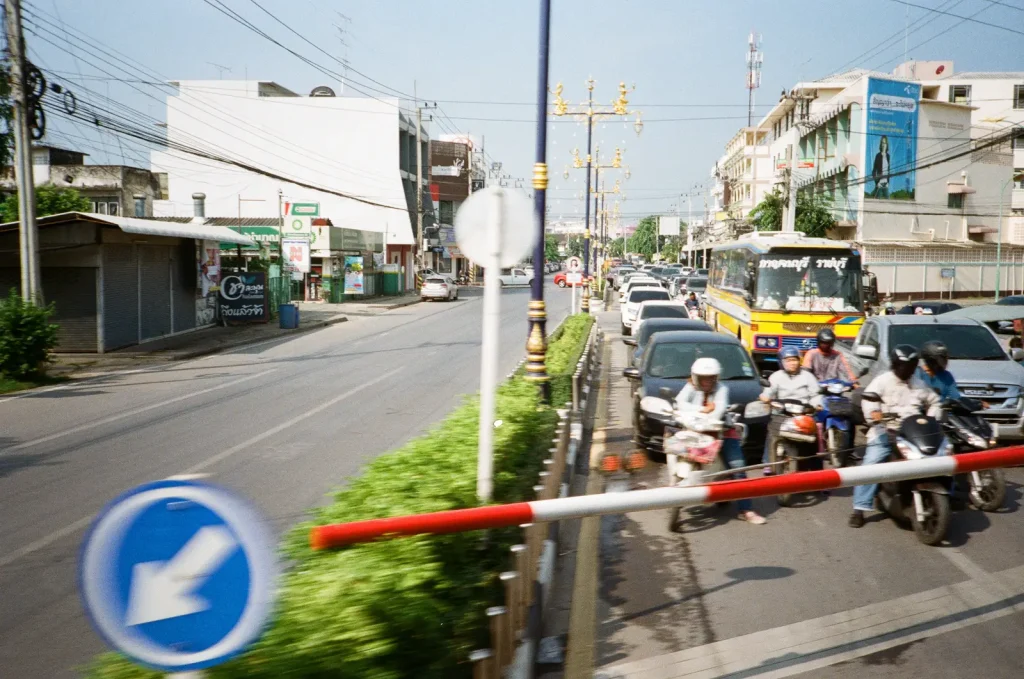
439 287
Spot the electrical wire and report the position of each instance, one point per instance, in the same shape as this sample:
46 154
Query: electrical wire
958 16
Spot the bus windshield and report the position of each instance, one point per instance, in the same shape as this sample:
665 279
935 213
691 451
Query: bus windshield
808 282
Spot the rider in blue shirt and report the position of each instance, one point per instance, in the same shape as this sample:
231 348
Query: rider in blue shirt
933 373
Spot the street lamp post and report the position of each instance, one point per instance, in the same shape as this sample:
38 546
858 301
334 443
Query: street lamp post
536 344
999 237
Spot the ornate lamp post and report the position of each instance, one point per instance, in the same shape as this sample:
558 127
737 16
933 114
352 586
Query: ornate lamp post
620 107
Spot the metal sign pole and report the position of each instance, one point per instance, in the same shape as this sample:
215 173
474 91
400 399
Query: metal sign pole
489 356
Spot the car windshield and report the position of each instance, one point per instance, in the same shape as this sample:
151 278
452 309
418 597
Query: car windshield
672 360
702 272
965 342
647 294
663 311
798 282
928 308
697 284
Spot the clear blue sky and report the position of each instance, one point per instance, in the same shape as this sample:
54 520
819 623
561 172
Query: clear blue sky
685 57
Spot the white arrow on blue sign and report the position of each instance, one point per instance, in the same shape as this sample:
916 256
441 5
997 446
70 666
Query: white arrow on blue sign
178 575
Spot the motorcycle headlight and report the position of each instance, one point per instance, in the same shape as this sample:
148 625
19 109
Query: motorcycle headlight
756 409
835 388
975 441
795 408
908 451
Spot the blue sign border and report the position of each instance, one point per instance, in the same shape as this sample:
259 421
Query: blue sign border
247 525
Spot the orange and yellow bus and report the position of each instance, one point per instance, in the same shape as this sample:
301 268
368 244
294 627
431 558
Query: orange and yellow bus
775 290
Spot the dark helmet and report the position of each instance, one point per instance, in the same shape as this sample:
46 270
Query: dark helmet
826 336
904 359
788 352
934 352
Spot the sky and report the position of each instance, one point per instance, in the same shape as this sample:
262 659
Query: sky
478 60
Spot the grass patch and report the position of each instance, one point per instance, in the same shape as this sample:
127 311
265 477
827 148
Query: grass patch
9 385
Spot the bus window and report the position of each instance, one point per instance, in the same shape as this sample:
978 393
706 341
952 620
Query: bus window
797 282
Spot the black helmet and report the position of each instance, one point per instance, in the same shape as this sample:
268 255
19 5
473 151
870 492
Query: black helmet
904 356
825 335
934 351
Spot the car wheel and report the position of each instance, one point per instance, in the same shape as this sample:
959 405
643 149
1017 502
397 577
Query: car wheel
562 283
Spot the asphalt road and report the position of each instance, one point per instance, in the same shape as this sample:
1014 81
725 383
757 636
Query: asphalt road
803 595
281 423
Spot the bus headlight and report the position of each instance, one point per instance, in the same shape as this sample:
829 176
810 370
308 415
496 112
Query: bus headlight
762 342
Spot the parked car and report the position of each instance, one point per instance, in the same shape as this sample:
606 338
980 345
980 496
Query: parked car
561 279
439 287
636 282
652 327
620 275
666 365
515 276
1012 300
933 308
982 368
634 298
659 308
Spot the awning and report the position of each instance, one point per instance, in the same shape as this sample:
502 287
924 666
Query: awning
981 228
145 227
963 189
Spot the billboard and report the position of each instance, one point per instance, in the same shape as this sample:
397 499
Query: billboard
668 225
891 139
449 170
243 298
353 275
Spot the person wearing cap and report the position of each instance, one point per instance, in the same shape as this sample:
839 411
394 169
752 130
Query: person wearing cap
793 382
902 393
705 394
825 363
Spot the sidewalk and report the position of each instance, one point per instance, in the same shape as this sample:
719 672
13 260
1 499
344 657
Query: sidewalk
191 344
371 307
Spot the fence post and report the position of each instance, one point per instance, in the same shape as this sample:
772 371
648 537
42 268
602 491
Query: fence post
501 638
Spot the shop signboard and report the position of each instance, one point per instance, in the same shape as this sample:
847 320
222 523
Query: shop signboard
296 253
306 209
353 275
243 298
891 139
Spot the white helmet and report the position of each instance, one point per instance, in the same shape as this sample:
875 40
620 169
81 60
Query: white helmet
706 367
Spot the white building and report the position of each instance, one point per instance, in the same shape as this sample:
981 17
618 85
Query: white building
744 172
360 148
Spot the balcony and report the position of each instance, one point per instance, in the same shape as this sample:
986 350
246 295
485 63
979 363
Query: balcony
1017 199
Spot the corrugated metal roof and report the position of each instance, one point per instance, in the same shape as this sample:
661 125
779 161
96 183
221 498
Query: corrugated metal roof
147 227
244 221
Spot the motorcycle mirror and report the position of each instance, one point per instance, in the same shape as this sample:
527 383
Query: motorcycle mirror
666 393
871 397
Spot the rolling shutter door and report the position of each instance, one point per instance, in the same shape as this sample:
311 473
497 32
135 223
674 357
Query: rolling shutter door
155 288
120 297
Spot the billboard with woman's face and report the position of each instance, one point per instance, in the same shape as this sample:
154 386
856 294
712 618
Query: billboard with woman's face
892 139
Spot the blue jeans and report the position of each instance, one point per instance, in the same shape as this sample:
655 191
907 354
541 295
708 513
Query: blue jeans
878 450
732 454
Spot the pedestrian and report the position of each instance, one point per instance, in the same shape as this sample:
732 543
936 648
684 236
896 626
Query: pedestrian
705 394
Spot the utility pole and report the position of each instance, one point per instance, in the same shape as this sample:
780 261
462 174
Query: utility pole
31 290
421 255
802 101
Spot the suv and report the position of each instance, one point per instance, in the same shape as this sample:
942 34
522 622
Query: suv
982 368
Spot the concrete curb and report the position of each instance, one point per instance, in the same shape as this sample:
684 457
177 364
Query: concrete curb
208 351
403 304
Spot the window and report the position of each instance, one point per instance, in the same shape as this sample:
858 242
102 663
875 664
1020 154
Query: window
1018 141
446 210
113 208
955 201
960 94
869 337
1018 96
99 208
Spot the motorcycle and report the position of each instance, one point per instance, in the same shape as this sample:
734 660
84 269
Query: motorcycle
836 417
694 312
691 444
795 447
967 433
462 279
924 503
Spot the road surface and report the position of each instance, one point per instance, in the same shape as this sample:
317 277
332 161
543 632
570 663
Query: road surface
282 423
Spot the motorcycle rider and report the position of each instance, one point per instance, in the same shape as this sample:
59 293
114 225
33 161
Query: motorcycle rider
903 393
692 302
792 382
705 394
932 371
825 362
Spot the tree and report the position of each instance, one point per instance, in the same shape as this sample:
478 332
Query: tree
574 246
551 248
642 241
50 200
813 216
6 117
617 247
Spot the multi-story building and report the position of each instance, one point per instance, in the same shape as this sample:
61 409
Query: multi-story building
744 172
111 189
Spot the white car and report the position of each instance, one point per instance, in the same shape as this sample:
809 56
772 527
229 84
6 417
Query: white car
439 287
634 282
659 308
620 275
515 276
635 298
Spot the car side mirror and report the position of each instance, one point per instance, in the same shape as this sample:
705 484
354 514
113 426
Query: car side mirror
1017 354
764 382
867 351
629 341
631 373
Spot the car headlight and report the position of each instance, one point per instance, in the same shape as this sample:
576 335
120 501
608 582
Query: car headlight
1012 403
756 409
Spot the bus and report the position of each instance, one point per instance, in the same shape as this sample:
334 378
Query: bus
774 290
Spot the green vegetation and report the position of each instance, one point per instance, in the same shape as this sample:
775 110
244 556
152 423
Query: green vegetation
413 607
50 200
27 339
813 214
551 248
574 246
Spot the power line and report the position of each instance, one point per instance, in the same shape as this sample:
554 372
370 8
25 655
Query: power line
958 16
940 33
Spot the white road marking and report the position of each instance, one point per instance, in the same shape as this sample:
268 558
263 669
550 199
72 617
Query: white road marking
74 383
84 521
288 424
960 560
822 642
131 413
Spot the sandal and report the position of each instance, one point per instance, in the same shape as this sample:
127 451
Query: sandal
753 517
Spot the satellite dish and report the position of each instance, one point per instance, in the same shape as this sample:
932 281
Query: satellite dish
322 91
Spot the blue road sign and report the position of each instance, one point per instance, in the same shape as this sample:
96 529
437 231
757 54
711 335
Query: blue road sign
178 575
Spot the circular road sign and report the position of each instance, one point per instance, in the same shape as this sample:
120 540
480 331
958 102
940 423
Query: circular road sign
178 575
493 207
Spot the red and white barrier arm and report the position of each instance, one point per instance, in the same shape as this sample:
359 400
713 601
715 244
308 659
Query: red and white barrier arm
496 516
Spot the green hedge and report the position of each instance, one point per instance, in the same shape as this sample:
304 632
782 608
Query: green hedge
412 607
564 353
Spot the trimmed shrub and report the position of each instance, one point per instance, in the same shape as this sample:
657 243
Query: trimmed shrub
564 353
26 338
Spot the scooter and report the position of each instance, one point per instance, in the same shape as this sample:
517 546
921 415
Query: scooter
967 433
836 417
924 503
795 448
